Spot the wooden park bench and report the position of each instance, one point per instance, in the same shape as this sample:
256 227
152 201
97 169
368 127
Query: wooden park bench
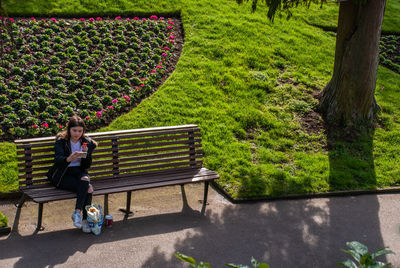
124 161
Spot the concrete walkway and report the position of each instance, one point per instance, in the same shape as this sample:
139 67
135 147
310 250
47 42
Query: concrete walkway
293 233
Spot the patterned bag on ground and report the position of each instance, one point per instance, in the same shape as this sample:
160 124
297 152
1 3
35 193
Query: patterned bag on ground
95 217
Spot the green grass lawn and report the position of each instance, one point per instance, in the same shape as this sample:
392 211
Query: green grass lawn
247 82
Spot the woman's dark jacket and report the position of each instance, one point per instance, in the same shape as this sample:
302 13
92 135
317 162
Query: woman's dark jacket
62 149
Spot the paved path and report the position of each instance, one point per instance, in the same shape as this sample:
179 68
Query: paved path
293 233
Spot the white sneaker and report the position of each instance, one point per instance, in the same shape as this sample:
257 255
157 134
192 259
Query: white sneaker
86 227
77 219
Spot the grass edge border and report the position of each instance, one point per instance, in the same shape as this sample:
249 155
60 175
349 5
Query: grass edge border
15 195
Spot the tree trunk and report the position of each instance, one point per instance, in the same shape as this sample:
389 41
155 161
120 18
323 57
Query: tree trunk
348 99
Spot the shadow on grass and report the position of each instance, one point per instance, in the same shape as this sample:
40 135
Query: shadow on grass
351 162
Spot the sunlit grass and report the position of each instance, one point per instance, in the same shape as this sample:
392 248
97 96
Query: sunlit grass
246 82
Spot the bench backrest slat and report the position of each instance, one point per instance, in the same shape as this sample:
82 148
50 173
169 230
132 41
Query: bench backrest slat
120 154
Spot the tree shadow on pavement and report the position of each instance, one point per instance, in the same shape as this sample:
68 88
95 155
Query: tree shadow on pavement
286 233
295 233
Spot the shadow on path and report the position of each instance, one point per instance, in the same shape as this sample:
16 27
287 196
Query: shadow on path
292 233
296 233
52 248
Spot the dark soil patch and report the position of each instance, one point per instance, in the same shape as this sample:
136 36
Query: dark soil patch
312 122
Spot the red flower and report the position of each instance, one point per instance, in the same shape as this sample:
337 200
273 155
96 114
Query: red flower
45 125
170 22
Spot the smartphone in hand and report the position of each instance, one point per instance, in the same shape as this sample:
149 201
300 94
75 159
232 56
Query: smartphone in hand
82 154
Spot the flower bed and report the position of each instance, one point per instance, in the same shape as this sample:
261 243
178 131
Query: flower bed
94 67
389 52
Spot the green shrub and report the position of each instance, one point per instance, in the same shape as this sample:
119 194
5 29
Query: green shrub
7 109
18 104
3 220
33 106
13 93
29 75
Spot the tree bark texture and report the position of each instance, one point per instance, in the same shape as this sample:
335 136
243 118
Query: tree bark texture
348 99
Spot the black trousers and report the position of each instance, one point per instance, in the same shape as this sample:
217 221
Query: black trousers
72 182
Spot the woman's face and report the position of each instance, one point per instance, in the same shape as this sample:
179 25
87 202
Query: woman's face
76 133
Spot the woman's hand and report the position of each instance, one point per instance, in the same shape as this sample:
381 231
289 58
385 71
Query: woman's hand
73 156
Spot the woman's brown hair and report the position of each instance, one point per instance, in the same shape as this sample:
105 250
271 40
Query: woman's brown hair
74 121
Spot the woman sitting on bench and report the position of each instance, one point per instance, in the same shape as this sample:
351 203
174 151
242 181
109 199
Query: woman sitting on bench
73 156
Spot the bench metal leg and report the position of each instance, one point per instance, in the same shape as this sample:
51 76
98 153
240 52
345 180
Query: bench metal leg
105 204
21 201
127 211
128 202
203 209
40 215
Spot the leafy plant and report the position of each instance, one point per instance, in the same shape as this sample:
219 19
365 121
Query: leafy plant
3 220
201 264
363 258
192 261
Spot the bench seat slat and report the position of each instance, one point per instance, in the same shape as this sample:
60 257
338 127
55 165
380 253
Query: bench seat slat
148 167
135 180
129 188
43 180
